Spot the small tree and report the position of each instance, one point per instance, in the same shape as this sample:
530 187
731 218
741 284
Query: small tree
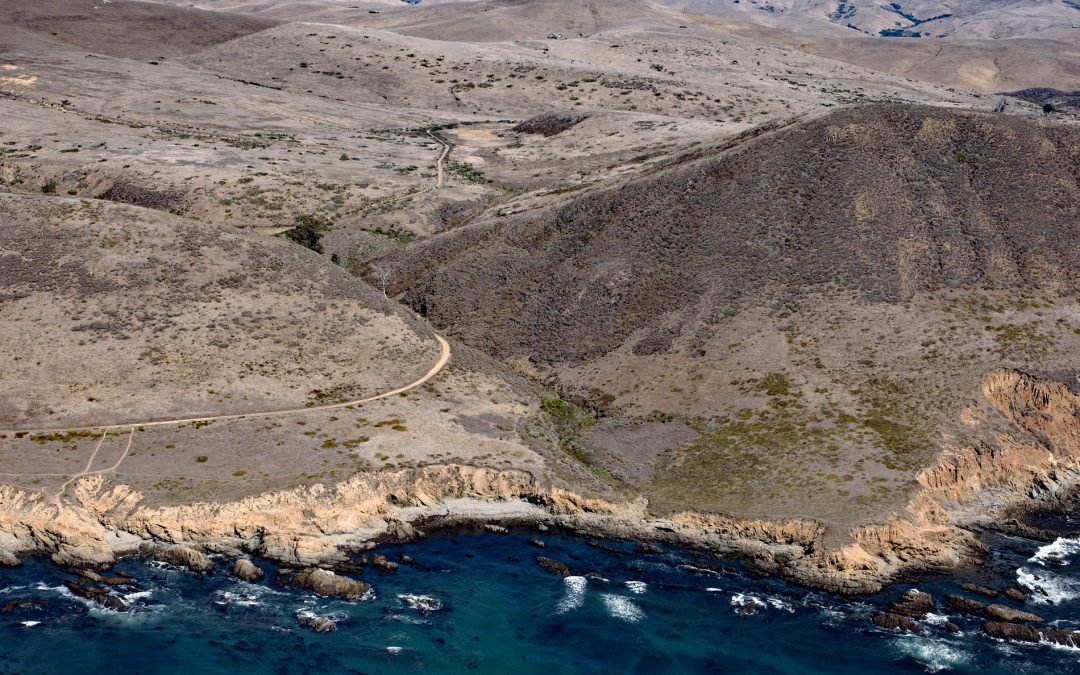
384 276
1048 108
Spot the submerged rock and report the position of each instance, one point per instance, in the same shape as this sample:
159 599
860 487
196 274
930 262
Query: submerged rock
896 622
537 543
97 595
40 608
979 590
423 604
324 582
181 556
383 564
246 570
319 624
553 566
647 547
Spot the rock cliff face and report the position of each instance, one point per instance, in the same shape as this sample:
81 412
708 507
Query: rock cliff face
1027 458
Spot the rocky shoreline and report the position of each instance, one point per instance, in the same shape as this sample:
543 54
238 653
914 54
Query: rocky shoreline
1029 467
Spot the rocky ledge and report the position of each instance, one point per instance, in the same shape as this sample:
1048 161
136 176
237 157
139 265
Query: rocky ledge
1031 462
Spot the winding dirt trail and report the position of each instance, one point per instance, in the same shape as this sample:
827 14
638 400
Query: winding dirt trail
444 358
441 163
440 181
57 499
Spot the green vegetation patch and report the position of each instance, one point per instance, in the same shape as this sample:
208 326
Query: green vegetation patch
568 422
308 231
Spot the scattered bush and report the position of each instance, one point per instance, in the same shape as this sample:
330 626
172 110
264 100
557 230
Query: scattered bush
127 191
550 124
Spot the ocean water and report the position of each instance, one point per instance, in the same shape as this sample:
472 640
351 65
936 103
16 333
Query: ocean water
479 603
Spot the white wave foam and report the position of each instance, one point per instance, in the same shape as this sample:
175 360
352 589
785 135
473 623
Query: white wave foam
31 624
777 603
395 650
622 607
1056 553
637 587
336 617
712 589
137 595
744 600
574 596
698 570
408 619
243 594
425 604
1046 588
934 655
936 619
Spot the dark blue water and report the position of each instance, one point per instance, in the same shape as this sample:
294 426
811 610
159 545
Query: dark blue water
500 613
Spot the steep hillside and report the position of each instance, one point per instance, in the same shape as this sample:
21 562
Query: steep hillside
790 326
884 201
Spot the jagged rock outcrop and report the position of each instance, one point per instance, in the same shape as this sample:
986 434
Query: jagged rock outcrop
8 559
1020 633
383 564
1015 594
553 566
913 603
958 604
182 556
896 622
324 582
245 570
1006 613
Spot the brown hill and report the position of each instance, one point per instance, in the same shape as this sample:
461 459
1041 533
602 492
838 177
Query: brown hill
795 325
885 201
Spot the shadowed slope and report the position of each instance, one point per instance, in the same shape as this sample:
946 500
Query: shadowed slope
123 28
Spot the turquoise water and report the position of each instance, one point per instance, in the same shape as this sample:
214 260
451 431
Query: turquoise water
494 610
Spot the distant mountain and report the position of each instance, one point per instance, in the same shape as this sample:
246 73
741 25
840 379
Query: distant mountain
963 19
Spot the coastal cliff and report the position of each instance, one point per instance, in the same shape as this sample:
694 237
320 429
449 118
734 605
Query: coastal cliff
1023 452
